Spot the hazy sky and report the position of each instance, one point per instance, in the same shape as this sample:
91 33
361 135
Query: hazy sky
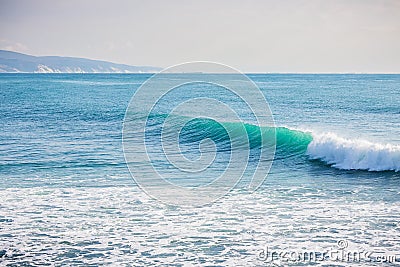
252 36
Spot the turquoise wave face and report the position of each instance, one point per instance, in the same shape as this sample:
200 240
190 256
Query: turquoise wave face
288 141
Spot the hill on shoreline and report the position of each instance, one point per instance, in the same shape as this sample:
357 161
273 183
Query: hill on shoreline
13 62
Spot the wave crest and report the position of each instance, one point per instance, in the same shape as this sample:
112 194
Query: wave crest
349 154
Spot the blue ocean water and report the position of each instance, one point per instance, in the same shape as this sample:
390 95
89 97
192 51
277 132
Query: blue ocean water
68 197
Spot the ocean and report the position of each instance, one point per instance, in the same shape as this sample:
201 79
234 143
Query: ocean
68 196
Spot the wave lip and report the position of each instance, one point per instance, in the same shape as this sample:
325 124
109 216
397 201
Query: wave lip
351 154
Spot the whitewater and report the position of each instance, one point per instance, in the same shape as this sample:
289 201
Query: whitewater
350 154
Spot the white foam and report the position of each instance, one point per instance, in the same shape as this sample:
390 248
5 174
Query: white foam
122 226
354 154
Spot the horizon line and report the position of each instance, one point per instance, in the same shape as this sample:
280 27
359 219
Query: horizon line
248 73
163 68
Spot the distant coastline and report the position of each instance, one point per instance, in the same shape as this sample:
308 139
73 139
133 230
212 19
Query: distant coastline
13 62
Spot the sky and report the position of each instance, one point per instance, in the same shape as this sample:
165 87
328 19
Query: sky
317 36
